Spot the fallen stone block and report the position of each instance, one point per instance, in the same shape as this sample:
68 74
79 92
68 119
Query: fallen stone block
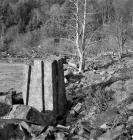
47 134
34 130
24 113
77 108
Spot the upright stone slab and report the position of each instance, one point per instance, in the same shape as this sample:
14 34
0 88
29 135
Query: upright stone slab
26 83
61 88
13 76
48 86
54 88
55 85
46 90
42 83
35 88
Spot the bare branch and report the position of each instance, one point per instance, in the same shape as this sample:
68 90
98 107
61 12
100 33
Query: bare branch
84 26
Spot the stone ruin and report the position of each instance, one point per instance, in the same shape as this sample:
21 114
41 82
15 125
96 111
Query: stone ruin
41 84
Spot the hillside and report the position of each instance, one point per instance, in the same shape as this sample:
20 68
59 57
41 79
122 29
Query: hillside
102 102
100 105
95 39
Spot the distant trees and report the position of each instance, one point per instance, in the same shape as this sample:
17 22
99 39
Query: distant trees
120 28
80 26
18 13
81 22
16 17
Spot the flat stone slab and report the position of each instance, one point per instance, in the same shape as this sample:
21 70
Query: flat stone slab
23 113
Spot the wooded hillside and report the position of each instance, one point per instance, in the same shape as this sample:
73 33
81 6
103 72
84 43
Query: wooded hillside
83 28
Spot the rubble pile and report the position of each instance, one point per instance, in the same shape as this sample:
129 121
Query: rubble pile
100 107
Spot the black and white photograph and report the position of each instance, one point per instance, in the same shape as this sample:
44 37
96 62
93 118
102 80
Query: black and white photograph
66 69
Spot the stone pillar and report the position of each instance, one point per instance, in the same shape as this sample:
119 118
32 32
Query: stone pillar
55 85
61 88
26 83
45 88
48 86
35 89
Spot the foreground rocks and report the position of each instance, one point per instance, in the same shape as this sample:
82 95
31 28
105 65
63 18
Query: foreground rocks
100 107
104 102
22 122
25 113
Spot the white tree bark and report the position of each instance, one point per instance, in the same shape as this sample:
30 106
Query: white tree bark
82 59
77 30
79 38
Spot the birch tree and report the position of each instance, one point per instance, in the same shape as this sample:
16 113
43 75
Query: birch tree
80 49
78 21
82 28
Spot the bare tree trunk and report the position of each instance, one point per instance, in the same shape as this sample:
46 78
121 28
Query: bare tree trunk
82 63
121 42
77 34
82 57
120 48
119 37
